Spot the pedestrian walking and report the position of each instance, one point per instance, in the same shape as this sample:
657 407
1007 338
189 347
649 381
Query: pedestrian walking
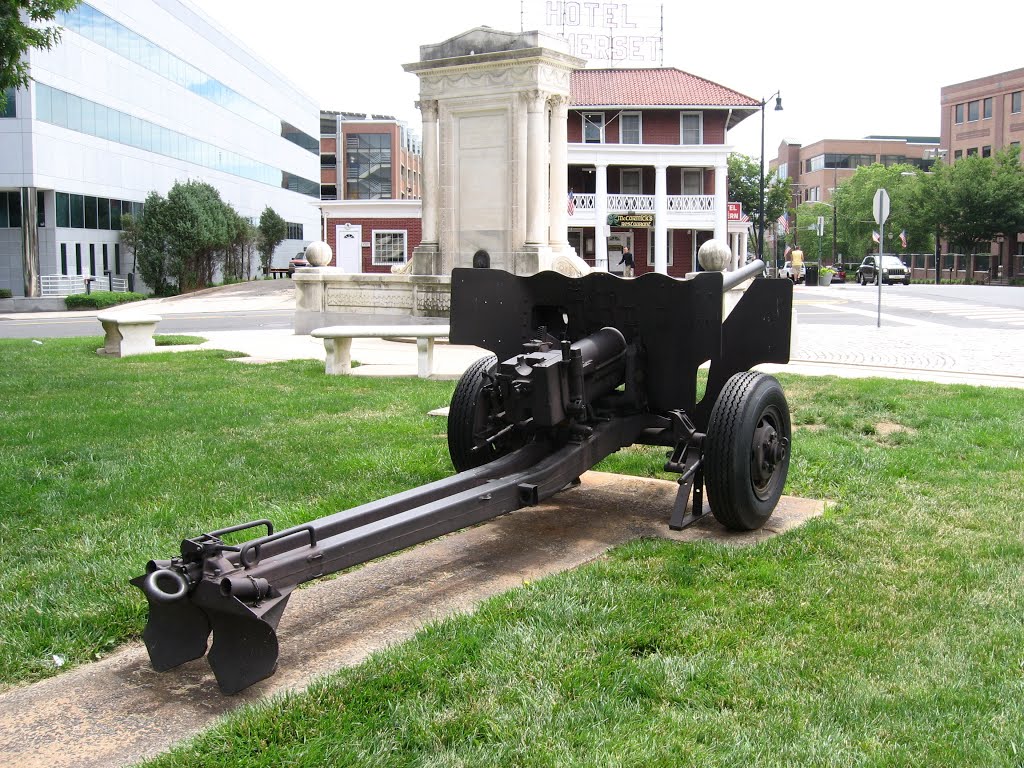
627 262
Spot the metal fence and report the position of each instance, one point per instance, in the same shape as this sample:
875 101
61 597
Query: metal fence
67 285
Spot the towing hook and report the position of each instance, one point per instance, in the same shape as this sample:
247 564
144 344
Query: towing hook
165 586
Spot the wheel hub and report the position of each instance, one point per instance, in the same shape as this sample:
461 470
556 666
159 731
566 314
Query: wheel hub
769 450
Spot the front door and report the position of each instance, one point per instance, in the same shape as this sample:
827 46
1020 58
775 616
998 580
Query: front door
349 240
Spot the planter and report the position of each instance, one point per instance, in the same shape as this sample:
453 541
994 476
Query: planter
824 279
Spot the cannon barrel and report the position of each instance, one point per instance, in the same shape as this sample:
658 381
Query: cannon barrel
732 279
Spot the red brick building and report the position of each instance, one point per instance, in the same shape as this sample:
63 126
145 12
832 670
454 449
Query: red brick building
647 159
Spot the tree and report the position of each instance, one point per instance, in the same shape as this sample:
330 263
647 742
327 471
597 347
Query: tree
744 188
239 262
273 230
853 201
199 232
147 237
976 199
17 37
816 247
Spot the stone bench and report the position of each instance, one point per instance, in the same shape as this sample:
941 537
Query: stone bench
338 343
127 334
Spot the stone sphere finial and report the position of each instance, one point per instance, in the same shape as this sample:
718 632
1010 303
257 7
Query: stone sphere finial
318 254
714 256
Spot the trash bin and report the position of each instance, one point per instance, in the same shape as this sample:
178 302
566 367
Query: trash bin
811 274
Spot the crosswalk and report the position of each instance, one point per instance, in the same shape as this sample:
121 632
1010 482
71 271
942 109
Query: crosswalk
933 309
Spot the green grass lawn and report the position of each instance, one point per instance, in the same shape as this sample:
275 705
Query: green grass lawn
888 633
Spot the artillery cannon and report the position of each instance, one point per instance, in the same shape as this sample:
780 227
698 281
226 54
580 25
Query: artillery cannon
587 366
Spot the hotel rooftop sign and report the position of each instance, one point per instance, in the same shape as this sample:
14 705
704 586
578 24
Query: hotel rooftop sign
605 34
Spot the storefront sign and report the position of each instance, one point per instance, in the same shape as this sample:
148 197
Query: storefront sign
734 211
631 220
602 33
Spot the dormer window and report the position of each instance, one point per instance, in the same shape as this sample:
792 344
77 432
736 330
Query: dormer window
593 127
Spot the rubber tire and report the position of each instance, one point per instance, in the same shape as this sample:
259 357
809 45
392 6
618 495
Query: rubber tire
737 502
467 416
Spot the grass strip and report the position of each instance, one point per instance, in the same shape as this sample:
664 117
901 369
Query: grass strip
888 633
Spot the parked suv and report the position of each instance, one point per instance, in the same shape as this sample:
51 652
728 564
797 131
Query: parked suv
893 271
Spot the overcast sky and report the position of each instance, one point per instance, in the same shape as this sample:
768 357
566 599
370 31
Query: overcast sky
845 70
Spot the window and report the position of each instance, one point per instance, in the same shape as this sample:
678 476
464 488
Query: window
631 181
629 128
986 107
40 209
77 211
691 128
593 127
92 259
367 166
90 212
63 258
103 211
106 261
78 258
888 160
782 171
1015 102
10 210
959 113
972 111
958 154
63 206
972 151
389 247
10 110
115 215
294 231
693 182
117 258
986 151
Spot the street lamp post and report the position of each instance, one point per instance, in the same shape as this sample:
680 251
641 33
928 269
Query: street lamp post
760 218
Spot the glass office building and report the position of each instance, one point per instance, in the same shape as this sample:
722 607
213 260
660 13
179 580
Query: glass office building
135 97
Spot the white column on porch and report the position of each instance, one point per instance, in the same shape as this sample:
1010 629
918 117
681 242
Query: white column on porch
558 179
721 203
601 216
537 166
660 218
743 248
430 187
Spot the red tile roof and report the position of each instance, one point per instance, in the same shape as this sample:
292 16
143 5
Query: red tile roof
665 87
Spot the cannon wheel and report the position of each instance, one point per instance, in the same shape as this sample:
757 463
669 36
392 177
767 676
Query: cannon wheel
746 452
468 422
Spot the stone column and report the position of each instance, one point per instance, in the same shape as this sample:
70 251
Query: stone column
660 216
430 180
426 256
536 170
721 200
601 217
558 176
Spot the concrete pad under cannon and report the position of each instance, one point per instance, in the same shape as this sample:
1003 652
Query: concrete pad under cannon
118 711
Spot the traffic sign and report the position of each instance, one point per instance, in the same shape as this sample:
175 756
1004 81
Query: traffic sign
880 207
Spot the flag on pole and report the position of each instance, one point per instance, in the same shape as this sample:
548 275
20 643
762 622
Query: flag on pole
571 204
783 222
903 238
785 253
875 237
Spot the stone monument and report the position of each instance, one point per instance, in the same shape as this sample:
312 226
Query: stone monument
495 178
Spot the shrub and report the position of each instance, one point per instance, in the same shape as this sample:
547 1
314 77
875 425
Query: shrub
100 299
5 293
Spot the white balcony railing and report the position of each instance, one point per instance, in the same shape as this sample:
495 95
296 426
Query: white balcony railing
682 206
